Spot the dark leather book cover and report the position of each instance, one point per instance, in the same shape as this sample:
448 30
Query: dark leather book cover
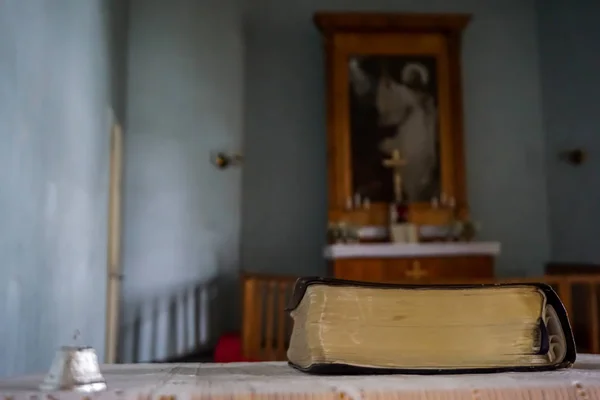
552 299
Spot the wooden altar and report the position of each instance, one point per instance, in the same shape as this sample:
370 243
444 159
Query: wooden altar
389 262
395 141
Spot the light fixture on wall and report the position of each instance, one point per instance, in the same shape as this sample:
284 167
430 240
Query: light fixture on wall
223 160
574 157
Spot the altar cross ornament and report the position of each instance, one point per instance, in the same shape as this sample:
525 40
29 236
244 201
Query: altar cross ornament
396 163
416 272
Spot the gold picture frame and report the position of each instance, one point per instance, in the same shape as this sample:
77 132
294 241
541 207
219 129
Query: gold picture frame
393 38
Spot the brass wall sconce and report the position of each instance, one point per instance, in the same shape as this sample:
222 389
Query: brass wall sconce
223 160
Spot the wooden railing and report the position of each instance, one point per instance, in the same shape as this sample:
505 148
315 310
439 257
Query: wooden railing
168 326
266 327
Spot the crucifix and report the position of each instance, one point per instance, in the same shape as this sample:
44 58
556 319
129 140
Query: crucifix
396 163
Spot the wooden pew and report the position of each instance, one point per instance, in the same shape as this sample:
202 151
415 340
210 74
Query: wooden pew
266 327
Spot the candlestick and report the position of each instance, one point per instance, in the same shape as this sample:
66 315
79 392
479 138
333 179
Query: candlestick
357 200
349 204
366 203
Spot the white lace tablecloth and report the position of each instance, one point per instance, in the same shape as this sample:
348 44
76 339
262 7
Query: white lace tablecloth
279 381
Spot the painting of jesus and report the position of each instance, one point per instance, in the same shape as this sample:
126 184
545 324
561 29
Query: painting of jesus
394 107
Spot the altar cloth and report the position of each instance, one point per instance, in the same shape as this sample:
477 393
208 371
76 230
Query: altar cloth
277 380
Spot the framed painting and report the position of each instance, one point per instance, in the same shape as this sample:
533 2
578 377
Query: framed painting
394 90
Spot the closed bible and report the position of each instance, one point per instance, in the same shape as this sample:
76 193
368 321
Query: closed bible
344 327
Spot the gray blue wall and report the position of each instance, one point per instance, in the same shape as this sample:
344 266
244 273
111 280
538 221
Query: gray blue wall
569 35
185 87
55 95
284 186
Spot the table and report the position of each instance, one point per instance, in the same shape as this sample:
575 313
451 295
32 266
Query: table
277 380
